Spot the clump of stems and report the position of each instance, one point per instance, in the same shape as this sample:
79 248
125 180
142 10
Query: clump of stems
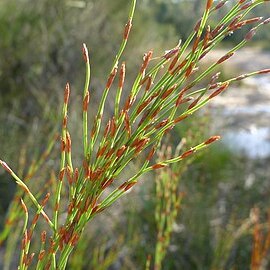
164 93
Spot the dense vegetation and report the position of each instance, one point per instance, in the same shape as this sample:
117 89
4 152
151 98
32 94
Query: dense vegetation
40 47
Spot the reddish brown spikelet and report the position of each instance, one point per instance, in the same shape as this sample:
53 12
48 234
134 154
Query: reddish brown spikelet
94 129
110 152
209 4
162 124
48 266
5 166
216 30
141 145
145 79
146 60
122 75
220 5
111 78
74 239
24 240
45 200
173 63
155 112
207 36
107 183
194 103
101 151
169 128
148 84
180 66
187 153
96 209
127 29
241 1
56 207
195 44
30 233
41 255
107 165
96 174
234 27
79 213
136 142
219 90
197 25
24 206
143 105
203 54
64 123
189 70
264 71
34 221
171 53
122 186
68 142
155 94
85 53
234 21
169 91
130 185
151 154
247 5
61 174
70 207
43 236
94 202
252 20
86 101
76 175
127 123
266 21
67 93
129 103
179 99
30 259
69 175
87 204
250 34
225 57
158 166
212 139
121 151
108 127
63 145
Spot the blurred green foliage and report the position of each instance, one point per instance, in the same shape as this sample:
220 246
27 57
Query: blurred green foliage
183 14
40 50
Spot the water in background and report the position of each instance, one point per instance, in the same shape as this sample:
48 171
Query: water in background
242 116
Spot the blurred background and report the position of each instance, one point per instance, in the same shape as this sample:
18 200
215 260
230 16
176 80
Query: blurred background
40 49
